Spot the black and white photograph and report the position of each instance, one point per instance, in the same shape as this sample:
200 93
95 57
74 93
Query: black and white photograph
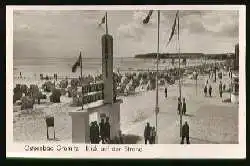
115 76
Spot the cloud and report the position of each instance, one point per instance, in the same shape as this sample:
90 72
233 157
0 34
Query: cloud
133 31
215 23
136 29
63 33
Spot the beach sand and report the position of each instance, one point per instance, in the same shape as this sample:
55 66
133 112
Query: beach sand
210 120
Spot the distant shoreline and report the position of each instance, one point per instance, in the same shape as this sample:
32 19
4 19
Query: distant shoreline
185 55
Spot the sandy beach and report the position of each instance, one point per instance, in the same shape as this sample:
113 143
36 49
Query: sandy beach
210 120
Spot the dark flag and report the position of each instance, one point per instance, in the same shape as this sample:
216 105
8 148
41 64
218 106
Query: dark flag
146 20
173 27
77 63
103 20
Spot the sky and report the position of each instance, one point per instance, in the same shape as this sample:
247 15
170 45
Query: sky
66 33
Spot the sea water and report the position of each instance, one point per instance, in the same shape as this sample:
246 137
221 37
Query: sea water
32 67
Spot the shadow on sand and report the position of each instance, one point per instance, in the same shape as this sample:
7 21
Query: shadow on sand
52 139
131 139
194 140
189 115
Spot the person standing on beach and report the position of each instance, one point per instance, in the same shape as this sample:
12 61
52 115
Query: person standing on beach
220 89
102 131
166 92
205 90
92 132
152 135
224 87
179 106
107 130
147 133
210 90
184 107
20 74
185 133
97 133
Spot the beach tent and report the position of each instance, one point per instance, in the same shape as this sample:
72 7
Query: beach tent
131 82
142 81
148 86
123 79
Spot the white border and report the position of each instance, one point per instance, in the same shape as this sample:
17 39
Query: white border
149 151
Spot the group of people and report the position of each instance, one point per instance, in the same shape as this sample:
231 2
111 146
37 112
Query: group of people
221 89
182 108
100 132
209 88
149 134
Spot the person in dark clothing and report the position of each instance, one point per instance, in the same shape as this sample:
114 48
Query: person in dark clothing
210 90
185 133
152 135
224 87
147 133
102 131
179 105
220 89
92 132
205 90
97 133
166 92
120 137
184 107
107 130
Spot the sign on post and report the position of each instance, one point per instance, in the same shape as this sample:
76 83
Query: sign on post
92 93
50 123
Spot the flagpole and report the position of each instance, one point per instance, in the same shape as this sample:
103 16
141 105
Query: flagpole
81 77
178 33
157 72
106 16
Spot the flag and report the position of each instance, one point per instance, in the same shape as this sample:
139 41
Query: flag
103 20
77 63
146 20
173 27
